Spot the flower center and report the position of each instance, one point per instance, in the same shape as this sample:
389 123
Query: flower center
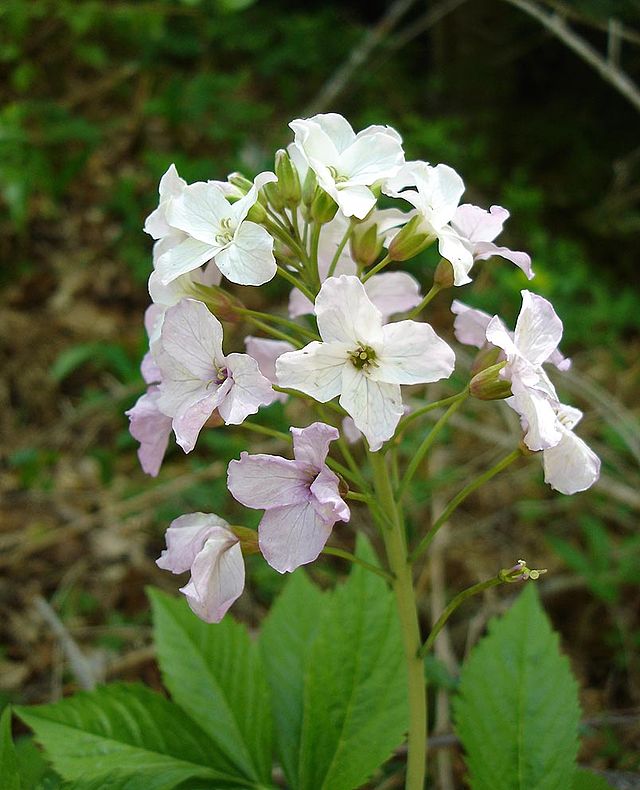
225 236
339 179
221 376
363 358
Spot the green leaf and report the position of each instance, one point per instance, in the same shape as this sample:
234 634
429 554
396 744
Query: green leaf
517 713
285 641
126 730
587 780
355 687
214 673
8 759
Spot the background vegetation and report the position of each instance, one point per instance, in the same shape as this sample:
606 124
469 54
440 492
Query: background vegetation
98 98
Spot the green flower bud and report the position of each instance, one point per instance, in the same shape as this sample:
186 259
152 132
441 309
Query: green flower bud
309 188
323 208
274 196
288 180
487 385
219 301
409 241
248 539
240 181
443 276
366 245
485 358
257 213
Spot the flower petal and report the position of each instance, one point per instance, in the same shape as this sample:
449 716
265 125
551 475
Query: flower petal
412 353
265 352
217 577
375 407
470 325
292 535
186 256
249 390
185 538
453 249
372 157
198 211
192 337
149 426
355 200
326 497
538 329
476 224
315 369
345 313
393 292
538 417
193 410
267 481
486 249
571 465
248 259
311 444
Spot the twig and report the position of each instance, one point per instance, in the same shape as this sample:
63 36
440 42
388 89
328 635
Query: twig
608 71
336 84
626 33
79 665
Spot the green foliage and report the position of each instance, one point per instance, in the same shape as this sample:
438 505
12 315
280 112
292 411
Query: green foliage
126 730
587 780
214 674
352 711
517 712
8 759
106 356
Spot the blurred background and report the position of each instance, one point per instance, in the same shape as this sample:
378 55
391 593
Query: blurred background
534 103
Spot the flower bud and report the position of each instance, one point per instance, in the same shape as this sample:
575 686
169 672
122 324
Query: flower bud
520 573
443 276
240 182
288 179
257 213
487 385
309 188
221 303
409 241
366 245
323 208
248 539
274 196
485 358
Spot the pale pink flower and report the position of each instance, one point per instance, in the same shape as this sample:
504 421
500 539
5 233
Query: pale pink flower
197 378
570 465
204 544
435 193
300 498
346 164
265 352
212 228
363 361
149 426
478 229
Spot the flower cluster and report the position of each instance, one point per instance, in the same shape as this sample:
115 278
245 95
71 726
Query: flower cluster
352 339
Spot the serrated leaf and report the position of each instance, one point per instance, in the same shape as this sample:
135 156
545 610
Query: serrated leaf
285 640
126 730
355 686
517 712
214 673
587 780
8 760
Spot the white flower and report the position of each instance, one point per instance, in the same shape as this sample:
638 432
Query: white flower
435 192
345 163
570 465
362 360
212 228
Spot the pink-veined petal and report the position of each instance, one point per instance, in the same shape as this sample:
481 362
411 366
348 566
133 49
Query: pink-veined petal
192 337
311 444
292 535
265 352
267 481
375 407
186 256
326 497
185 537
453 249
318 145
299 304
315 369
372 157
571 465
412 353
538 417
193 411
346 314
248 259
486 249
249 390
477 224
198 211
217 578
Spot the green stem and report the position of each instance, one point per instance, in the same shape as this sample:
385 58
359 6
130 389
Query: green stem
280 231
426 445
455 603
342 471
252 426
405 421
341 246
315 241
459 499
376 268
356 497
271 330
435 290
346 555
296 283
396 547
280 320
